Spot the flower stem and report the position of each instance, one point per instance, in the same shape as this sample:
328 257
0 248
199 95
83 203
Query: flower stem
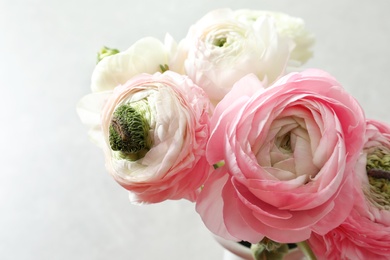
305 248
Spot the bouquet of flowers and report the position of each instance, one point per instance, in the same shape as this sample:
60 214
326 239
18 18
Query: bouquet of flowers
272 154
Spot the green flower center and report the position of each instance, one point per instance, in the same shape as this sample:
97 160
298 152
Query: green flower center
129 130
220 42
378 171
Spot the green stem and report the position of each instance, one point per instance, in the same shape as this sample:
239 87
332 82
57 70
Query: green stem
305 248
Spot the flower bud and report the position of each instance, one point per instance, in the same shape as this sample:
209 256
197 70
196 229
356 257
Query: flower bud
105 52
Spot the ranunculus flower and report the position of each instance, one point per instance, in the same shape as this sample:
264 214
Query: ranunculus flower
365 234
219 50
144 56
154 131
289 151
287 26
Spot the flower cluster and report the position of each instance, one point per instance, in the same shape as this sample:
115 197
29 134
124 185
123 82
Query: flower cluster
228 119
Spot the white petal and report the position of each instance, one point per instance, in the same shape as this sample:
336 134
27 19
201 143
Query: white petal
88 109
144 56
90 106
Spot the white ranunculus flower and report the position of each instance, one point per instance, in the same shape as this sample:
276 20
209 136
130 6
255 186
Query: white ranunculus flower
287 26
220 50
144 56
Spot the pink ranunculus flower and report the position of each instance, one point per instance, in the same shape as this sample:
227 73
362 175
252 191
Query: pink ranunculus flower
365 234
219 49
154 131
288 154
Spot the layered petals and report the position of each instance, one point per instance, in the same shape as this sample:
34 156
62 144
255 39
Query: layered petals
144 56
173 164
289 151
365 234
220 49
287 26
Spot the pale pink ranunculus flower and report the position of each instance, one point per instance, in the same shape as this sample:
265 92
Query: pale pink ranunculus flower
288 153
219 49
163 157
365 234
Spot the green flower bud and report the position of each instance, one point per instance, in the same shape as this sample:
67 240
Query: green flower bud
105 52
378 171
129 130
164 67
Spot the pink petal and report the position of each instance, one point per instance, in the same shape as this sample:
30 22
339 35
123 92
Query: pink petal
210 203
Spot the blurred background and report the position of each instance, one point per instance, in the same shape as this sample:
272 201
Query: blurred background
56 199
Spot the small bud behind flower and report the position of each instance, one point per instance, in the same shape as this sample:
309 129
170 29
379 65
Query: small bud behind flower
105 52
164 68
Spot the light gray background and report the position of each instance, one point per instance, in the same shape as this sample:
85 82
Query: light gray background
56 199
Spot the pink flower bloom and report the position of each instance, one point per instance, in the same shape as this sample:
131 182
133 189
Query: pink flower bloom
163 155
289 151
365 234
